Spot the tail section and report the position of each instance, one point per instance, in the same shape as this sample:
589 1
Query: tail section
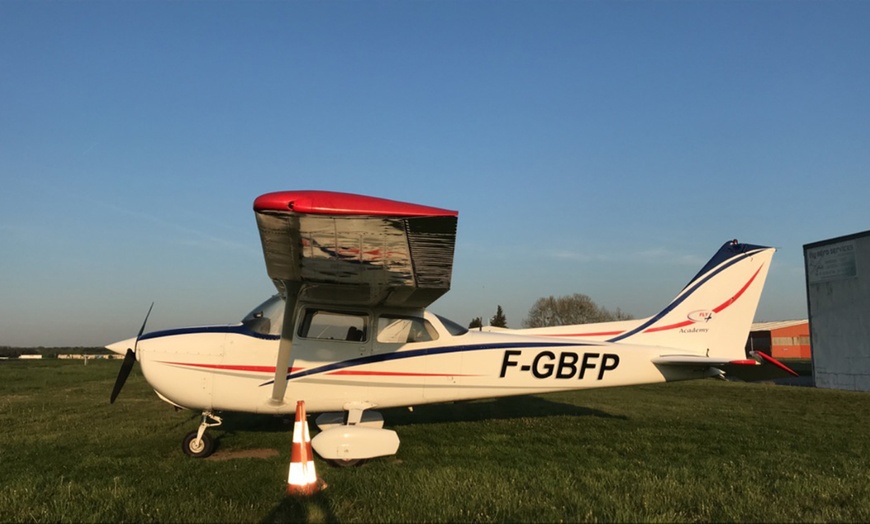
710 317
714 312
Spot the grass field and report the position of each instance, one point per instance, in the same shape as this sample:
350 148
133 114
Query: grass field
694 451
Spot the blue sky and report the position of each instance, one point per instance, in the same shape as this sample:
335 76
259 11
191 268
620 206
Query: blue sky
606 148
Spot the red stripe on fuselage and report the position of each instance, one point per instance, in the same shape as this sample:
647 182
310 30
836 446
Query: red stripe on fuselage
733 299
224 367
672 326
271 370
717 309
600 334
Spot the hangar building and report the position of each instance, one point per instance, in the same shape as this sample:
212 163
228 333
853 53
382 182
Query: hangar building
784 339
838 302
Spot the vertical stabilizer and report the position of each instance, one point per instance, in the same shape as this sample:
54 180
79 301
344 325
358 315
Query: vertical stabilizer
713 313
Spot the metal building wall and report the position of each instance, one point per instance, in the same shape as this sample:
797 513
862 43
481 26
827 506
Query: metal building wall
838 300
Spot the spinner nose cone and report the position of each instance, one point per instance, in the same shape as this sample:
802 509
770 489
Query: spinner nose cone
122 346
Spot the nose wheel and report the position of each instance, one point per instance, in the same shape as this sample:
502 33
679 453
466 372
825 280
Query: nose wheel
199 444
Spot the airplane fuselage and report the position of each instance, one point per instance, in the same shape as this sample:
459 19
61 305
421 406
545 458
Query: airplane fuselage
232 367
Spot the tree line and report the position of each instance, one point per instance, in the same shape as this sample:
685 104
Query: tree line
558 311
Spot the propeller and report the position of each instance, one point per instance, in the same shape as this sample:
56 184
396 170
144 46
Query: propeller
129 360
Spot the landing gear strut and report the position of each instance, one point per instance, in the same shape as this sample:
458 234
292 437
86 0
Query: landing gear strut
198 444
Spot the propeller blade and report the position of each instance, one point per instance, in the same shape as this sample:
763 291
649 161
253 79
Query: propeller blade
129 360
142 329
126 367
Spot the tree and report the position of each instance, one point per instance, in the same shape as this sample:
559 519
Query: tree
568 310
476 323
499 320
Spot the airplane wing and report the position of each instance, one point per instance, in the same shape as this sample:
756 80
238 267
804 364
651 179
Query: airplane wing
351 250
356 250
760 367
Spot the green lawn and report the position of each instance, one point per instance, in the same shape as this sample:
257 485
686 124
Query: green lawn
695 451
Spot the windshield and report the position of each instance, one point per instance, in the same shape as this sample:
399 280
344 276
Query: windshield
267 318
452 327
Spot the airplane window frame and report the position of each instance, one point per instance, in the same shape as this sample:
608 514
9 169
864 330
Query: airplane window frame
361 324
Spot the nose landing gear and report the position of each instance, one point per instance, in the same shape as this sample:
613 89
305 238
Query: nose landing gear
198 444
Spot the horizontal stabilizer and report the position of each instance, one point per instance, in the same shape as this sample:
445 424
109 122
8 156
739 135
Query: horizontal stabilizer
760 367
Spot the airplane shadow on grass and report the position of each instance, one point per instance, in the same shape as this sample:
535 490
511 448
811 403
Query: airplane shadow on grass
493 409
317 508
471 411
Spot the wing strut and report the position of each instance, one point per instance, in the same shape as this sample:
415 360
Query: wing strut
282 366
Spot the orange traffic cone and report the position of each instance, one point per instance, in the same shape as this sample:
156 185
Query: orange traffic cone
302 479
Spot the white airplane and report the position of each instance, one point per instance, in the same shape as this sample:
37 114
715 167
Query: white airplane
348 330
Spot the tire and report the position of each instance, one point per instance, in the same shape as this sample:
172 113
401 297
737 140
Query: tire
340 463
205 448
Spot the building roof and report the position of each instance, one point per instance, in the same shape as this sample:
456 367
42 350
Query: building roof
779 324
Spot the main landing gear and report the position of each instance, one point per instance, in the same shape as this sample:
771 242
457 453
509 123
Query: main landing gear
198 444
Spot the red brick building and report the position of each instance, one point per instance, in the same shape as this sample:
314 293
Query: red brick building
783 339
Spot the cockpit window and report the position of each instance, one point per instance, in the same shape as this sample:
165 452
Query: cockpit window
334 325
267 318
399 330
452 327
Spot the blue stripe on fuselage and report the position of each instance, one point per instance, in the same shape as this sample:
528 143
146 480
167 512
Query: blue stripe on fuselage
239 329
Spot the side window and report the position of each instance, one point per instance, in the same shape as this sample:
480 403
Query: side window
323 324
400 330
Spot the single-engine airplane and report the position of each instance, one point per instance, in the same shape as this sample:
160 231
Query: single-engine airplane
348 331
